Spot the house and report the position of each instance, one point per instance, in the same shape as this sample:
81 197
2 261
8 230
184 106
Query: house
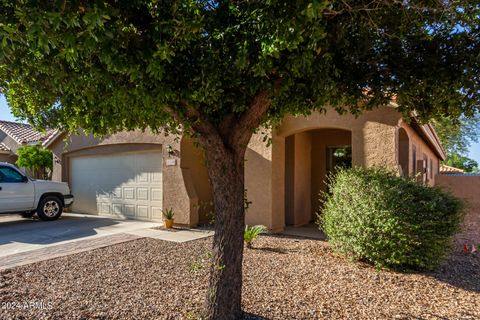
14 135
137 174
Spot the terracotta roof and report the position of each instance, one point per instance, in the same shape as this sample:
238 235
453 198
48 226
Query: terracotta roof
3 147
23 133
447 169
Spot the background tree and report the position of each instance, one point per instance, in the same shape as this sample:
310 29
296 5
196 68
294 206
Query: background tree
38 160
457 135
458 161
219 69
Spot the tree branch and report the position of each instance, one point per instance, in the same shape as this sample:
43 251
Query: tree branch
243 128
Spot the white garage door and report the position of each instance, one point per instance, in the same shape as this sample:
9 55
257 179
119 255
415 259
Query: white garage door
127 185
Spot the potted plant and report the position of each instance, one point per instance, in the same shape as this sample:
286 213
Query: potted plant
168 217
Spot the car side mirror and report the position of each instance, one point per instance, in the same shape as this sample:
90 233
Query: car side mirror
25 179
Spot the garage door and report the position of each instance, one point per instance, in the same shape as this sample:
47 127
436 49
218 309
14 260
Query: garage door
127 185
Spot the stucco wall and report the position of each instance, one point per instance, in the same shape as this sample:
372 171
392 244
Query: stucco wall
467 188
178 190
10 143
258 180
8 158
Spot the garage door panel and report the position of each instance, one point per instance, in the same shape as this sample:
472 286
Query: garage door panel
124 185
129 193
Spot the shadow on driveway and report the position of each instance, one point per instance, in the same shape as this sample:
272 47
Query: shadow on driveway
34 231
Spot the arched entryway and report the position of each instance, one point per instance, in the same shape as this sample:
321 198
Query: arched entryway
309 158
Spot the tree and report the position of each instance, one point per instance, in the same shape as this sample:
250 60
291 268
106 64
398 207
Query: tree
37 159
217 70
457 134
462 162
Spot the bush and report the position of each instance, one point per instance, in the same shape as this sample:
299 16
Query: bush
392 222
251 233
36 159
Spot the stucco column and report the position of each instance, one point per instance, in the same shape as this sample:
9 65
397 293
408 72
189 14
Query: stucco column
302 178
358 153
278 183
258 180
265 181
178 191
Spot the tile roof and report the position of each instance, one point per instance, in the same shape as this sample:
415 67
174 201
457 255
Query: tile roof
3 147
23 133
447 169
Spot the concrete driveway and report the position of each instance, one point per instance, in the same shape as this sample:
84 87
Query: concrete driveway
19 235
24 241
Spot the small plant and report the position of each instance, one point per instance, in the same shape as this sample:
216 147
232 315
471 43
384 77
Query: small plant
168 213
251 233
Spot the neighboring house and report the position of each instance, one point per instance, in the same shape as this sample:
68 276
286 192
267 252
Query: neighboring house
136 174
14 135
444 169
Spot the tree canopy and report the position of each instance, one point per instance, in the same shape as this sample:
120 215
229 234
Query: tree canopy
107 66
457 134
219 69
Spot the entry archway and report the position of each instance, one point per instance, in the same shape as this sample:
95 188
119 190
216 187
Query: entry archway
309 157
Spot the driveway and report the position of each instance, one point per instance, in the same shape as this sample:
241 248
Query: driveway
19 235
25 241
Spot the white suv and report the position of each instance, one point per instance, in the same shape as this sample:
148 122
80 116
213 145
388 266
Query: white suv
19 193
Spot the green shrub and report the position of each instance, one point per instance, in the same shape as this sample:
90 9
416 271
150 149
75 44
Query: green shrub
392 222
251 233
36 159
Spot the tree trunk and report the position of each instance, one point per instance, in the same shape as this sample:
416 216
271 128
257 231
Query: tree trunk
226 172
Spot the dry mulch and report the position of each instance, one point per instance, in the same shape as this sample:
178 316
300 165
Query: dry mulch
284 278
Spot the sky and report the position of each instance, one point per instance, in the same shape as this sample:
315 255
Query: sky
5 114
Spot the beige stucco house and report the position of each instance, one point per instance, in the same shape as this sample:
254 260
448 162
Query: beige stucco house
136 174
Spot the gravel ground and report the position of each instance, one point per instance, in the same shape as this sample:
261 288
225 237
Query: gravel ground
285 278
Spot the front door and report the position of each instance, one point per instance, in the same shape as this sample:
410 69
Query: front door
16 192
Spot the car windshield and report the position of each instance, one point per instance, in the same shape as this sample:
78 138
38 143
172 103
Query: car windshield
24 172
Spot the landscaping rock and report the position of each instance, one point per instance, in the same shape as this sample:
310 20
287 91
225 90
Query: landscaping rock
284 278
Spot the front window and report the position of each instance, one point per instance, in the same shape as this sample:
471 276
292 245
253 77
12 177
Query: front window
339 157
9 175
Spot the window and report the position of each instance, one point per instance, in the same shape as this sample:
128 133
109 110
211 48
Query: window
339 157
430 168
403 152
10 175
414 159
425 169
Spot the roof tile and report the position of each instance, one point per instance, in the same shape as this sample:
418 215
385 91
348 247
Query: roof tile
23 133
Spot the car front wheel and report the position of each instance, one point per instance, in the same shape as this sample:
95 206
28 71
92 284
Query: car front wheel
50 208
